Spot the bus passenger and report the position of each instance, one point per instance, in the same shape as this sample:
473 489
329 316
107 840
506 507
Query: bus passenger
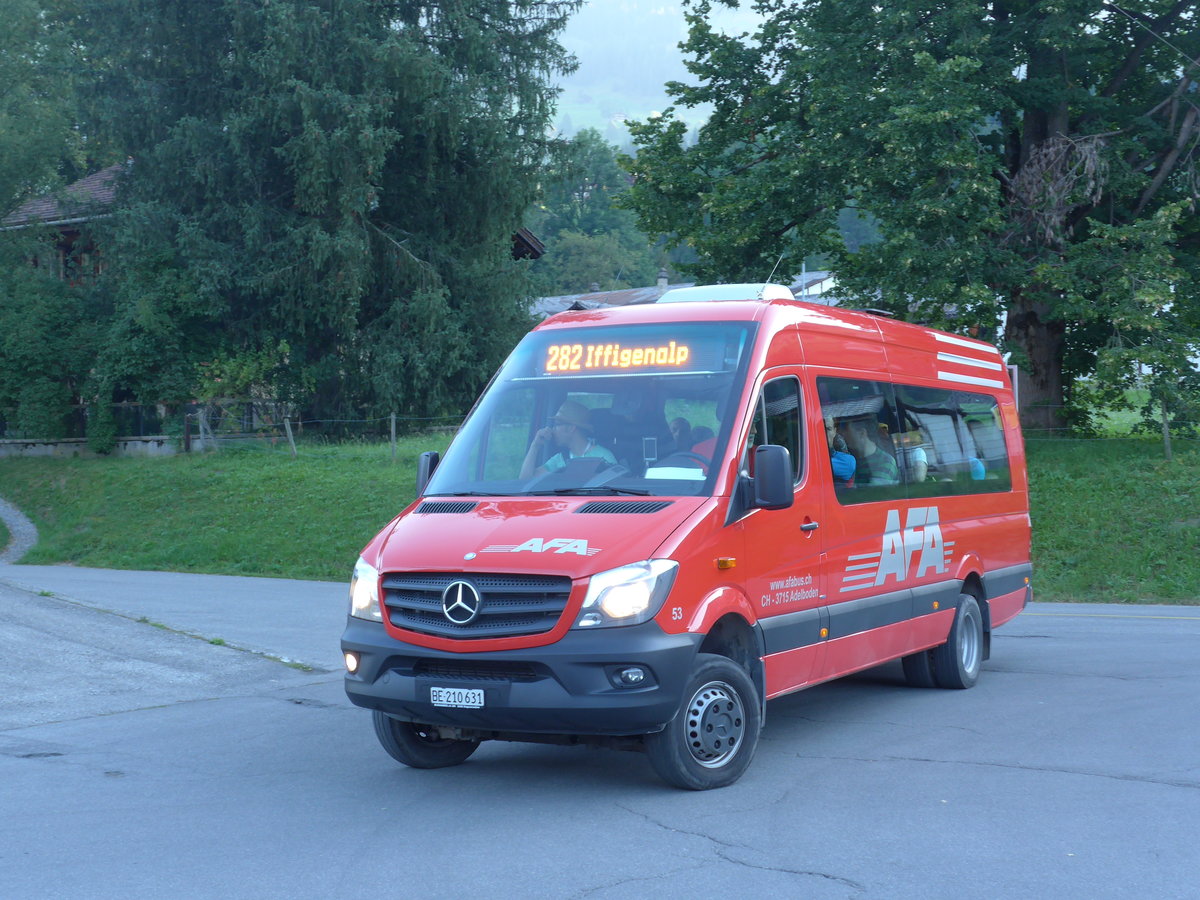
842 461
874 466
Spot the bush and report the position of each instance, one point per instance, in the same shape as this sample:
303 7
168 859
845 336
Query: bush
102 429
43 409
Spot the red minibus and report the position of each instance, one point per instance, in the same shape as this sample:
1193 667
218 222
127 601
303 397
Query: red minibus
659 517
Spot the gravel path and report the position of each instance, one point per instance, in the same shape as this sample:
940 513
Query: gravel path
23 533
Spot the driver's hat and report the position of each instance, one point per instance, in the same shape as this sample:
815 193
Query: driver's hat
573 413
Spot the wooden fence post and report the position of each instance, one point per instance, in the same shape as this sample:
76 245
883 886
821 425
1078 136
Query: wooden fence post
206 432
287 425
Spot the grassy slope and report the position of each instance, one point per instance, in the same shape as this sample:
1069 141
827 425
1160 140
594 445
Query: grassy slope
1112 520
250 512
4 536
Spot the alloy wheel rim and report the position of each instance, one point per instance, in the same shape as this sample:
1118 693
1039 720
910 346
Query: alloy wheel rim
970 643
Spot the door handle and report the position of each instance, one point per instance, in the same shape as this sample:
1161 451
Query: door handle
810 526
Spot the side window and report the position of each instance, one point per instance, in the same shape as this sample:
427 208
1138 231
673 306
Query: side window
861 431
508 433
953 442
777 420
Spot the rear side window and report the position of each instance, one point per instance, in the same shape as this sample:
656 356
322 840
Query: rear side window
962 441
901 441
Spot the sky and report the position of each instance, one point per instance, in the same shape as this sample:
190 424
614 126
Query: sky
627 50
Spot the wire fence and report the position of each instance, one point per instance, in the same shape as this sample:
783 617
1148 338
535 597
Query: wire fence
228 425
205 432
274 426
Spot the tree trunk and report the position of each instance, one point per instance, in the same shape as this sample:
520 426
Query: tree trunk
1037 341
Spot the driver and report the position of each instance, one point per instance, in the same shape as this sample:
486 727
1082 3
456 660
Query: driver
571 429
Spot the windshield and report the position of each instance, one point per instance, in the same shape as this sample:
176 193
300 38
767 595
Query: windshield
641 409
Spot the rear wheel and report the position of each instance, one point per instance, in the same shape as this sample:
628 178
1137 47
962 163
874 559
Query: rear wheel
956 663
712 738
420 746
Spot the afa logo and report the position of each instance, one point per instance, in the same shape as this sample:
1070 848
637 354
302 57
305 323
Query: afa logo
538 545
916 548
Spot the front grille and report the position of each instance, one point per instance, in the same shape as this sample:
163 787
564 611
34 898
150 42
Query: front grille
510 605
469 670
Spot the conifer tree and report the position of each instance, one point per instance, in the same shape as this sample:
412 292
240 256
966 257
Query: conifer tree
334 182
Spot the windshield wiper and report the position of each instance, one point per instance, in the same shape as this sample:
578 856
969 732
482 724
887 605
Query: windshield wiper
598 489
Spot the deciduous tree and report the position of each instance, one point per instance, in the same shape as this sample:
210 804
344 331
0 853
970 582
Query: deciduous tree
589 239
35 102
1023 161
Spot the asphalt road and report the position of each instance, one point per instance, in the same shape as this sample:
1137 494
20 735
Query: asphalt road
142 761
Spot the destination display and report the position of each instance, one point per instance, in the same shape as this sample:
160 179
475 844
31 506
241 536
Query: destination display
614 356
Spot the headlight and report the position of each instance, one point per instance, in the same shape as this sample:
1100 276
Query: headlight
628 595
364 592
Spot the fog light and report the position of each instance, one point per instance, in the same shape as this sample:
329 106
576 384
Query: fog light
632 675
351 662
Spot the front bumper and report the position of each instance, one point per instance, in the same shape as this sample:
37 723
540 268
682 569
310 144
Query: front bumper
566 688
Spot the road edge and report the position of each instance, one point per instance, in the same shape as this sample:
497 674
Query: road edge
23 533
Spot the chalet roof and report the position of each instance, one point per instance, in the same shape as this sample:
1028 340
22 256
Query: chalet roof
548 306
527 245
82 200
75 203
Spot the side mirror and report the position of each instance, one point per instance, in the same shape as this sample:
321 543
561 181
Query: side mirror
426 463
773 487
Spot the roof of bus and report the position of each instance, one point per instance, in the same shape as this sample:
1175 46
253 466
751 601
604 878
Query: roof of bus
775 315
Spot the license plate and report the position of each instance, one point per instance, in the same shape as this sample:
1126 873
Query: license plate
467 698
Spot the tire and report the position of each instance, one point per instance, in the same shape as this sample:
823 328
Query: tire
956 663
712 738
418 746
918 669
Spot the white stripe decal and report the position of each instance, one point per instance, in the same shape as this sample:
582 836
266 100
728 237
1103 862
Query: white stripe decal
866 576
867 555
968 379
963 342
870 565
968 361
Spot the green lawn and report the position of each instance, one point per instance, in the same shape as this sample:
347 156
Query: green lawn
1111 520
242 512
1114 522
1122 422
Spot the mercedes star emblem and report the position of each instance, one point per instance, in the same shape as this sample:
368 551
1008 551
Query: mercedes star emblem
461 602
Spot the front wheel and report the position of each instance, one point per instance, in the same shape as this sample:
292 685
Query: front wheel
956 663
419 746
712 738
